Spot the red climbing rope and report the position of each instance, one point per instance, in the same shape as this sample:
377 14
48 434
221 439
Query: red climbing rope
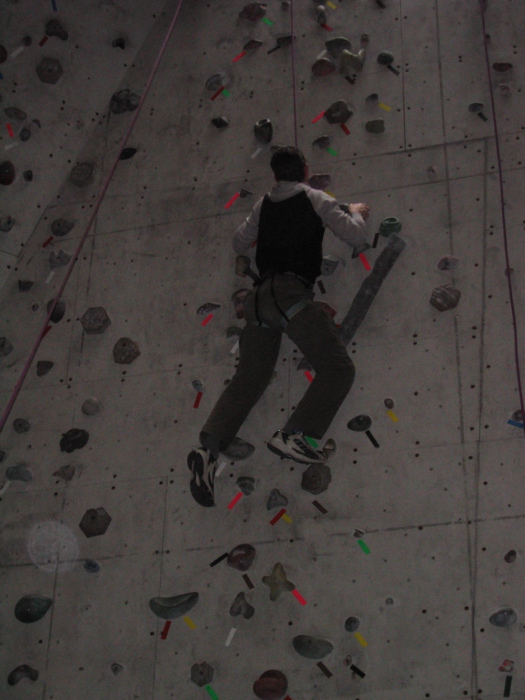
482 5
101 196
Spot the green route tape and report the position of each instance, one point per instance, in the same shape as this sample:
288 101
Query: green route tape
213 695
332 152
311 441
363 546
267 21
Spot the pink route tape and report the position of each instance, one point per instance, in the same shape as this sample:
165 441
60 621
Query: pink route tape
166 629
299 597
197 400
232 200
319 116
235 500
207 320
238 58
10 130
364 261
308 375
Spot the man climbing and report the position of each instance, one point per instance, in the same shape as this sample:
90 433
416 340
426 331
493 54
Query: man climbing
288 224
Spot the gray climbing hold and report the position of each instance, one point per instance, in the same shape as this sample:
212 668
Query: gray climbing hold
220 122
23 671
32 608
74 439
202 674
19 473
20 425
125 351
49 70
323 66
58 259
253 11
389 403
351 62
504 617
92 567
337 45
238 449
351 624
320 15
271 685
263 131
5 347
123 101
316 478
360 423
240 606
95 320
445 298
245 193
116 669
15 113
276 500
320 181
252 44
197 385
66 473
448 262
241 557
330 448
54 28
312 647
338 113
82 174
372 99
127 153
24 135
7 173
502 67
205 309
91 406
173 607
58 311
25 285
510 557
216 81
329 265
322 142
385 58
6 223
375 126
61 227
95 522
246 484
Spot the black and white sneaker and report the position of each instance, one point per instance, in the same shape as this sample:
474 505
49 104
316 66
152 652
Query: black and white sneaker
203 466
295 447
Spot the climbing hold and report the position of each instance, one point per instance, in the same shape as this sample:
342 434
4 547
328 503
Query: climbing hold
58 311
74 439
502 67
66 473
15 113
389 226
330 448
351 624
124 101
312 647
216 81
119 43
202 674
329 265
95 522
5 347
385 58
285 5
25 285
263 130
3 54
49 70
125 351
445 297
350 62
365 39
322 142
316 478
323 66
504 617
19 473
116 668
7 173
232 331
58 259
320 15
320 182
245 193
173 607
197 385
240 606
360 423
510 557
238 298
337 45
205 309
91 406
6 223
448 262
20 425
28 175
271 685
32 608
477 108
54 28
253 11
61 227
372 99
27 41
95 320
238 449
276 500
220 122
375 126
246 484
389 403
20 672
43 367
127 153
241 557
252 44
338 112
277 582
82 174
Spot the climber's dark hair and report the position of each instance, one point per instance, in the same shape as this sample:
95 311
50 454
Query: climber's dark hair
288 163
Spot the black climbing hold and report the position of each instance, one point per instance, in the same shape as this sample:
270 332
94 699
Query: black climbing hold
389 226
316 479
125 351
23 671
95 320
246 484
445 298
124 101
61 227
27 41
92 567
127 153
245 193
360 423
25 285
119 43
253 11
116 668
312 647
19 473
173 607
5 347
389 403
95 522
351 624
252 44
276 500
504 617
49 70
32 608
54 28
322 142
14 113
338 112
24 134
43 367
20 425
241 557
28 175
502 67
74 439
510 557
207 308
58 311
82 174
6 223
263 130
202 674
3 54
7 173
220 122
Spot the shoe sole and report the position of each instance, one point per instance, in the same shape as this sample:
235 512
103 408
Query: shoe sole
285 455
200 495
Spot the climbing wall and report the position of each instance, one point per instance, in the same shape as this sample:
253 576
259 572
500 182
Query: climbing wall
395 573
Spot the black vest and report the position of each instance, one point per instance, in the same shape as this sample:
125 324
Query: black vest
290 237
